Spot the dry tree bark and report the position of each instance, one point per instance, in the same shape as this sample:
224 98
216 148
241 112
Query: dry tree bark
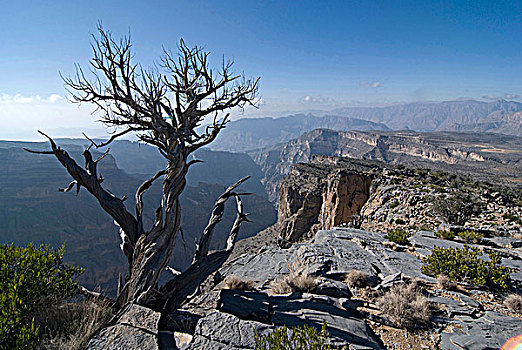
163 106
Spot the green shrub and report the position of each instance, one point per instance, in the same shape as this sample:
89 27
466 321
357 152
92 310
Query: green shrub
400 221
398 236
394 205
512 217
31 279
465 265
306 338
445 234
470 236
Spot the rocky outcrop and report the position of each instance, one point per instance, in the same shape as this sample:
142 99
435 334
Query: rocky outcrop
464 320
320 195
136 327
332 191
300 202
218 318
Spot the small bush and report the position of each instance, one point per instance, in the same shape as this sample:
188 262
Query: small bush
470 236
71 325
445 234
295 281
513 218
400 221
356 278
444 282
306 338
406 306
465 265
514 303
235 282
32 279
398 236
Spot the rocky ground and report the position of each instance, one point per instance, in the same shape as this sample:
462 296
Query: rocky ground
220 318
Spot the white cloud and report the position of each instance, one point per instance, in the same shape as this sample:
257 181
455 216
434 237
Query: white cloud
506 96
21 99
316 100
55 98
21 116
373 84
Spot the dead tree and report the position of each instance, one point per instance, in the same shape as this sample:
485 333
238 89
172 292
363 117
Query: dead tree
163 106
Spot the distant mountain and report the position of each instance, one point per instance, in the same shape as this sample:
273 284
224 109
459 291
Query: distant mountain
467 115
252 133
32 209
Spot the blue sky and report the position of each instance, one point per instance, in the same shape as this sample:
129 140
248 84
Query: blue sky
309 54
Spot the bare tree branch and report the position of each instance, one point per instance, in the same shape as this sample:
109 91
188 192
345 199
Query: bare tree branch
176 291
215 218
89 180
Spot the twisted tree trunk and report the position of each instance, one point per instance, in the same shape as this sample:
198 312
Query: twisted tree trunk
165 111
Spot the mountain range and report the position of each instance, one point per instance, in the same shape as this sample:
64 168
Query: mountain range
463 115
504 117
252 133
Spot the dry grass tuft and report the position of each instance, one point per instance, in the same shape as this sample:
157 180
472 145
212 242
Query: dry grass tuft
71 325
235 282
356 278
444 282
514 303
406 306
295 281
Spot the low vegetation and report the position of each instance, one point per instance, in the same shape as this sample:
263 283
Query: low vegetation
470 236
406 306
398 236
458 208
33 280
235 282
514 303
306 338
445 234
71 325
466 265
296 281
444 282
513 218
356 278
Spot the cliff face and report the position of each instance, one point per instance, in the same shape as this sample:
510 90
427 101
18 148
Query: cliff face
320 196
344 195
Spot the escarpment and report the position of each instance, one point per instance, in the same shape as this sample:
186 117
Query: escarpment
329 192
489 156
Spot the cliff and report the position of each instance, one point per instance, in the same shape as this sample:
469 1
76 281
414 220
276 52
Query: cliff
317 196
